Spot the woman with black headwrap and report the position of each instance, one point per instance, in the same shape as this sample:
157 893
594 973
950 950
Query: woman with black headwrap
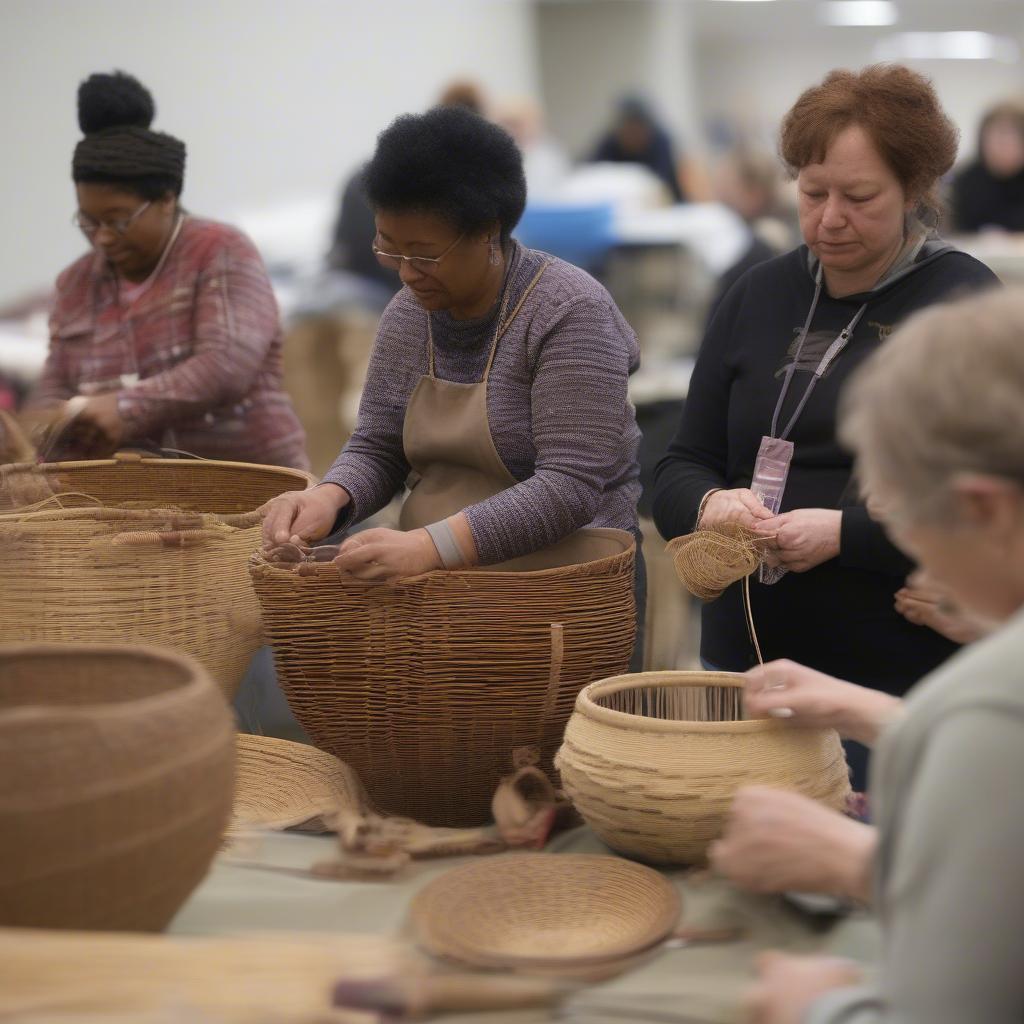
167 334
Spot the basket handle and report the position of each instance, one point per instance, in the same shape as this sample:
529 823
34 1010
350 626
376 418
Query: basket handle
165 538
554 679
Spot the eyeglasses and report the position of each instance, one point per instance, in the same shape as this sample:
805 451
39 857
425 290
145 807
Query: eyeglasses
421 264
89 227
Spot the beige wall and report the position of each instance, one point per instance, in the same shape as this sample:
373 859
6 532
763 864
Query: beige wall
275 100
593 51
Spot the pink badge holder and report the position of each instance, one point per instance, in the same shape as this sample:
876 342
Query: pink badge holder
769 484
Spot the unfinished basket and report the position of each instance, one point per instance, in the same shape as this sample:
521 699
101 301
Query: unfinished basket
282 785
652 761
116 777
136 550
544 910
425 687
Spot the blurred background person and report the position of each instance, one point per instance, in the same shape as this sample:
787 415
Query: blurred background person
989 192
166 335
637 137
749 182
545 162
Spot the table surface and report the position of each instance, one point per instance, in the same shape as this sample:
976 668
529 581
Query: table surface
706 981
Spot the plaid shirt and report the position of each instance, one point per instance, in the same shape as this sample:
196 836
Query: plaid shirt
195 357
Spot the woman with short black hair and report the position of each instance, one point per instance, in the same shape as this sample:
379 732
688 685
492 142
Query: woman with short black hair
498 377
167 334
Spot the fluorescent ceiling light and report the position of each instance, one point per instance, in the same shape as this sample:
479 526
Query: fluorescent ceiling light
858 12
948 46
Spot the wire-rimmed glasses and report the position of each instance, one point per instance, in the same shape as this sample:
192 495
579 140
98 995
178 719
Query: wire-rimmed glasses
90 227
421 264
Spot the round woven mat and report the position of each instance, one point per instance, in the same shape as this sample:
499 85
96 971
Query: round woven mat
545 911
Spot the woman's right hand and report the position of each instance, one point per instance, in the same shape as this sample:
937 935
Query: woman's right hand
784 689
302 515
739 505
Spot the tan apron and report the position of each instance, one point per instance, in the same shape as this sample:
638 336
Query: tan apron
448 443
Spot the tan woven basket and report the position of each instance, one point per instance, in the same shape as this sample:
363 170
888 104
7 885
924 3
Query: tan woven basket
116 776
544 910
658 785
425 687
51 977
282 785
107 558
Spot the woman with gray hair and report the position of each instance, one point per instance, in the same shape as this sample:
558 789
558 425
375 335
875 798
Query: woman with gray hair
936 419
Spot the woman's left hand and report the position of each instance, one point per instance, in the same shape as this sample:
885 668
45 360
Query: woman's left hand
101 412
382 554
787 985
801 539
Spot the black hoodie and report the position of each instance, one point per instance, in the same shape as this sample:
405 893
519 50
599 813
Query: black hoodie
838 617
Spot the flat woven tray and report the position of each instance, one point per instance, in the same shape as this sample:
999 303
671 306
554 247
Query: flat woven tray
545 911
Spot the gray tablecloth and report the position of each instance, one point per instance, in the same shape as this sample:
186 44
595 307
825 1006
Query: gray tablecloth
706 982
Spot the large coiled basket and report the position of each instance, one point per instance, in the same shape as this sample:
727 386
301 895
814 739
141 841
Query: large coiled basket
134 549
427 686
116 778
656 784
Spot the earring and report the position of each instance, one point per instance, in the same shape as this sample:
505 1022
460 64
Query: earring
495 254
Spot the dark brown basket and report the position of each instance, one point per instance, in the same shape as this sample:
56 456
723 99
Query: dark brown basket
426 687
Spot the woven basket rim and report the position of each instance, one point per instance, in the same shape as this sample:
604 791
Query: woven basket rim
113 514
258 561
586 703
197 679
423 911
132 459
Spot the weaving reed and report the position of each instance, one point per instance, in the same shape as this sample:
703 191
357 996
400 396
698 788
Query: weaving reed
136 550
652 761
425 687
708 561
116 777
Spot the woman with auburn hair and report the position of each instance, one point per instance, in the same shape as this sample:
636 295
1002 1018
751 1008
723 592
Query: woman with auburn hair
757 444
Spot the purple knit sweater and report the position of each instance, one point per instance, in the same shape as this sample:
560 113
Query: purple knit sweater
556 400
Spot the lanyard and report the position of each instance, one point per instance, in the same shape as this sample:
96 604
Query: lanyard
837 346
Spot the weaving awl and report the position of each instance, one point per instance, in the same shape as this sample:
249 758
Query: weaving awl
417 996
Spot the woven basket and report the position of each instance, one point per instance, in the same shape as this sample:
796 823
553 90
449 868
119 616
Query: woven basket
99 561
544 910
116 775
658 788
282 785
51 977
425 687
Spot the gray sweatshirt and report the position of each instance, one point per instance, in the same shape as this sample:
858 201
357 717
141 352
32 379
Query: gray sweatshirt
949 873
